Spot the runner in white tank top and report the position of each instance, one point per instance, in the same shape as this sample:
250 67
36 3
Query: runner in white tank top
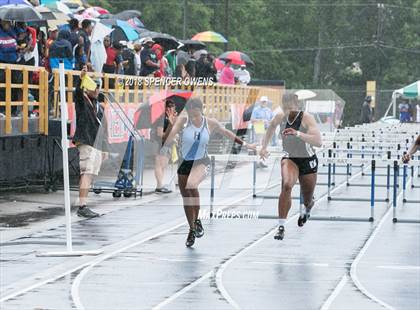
195 130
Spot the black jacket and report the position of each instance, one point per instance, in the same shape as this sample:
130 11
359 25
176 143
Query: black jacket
89 114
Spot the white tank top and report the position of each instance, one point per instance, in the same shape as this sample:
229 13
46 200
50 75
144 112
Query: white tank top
194 141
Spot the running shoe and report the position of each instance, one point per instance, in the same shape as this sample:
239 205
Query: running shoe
262 165
84 211
163 190
199 230
191 238
303 218
280 233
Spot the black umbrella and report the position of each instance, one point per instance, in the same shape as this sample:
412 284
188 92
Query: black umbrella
192 44
19 13
167 41
128 14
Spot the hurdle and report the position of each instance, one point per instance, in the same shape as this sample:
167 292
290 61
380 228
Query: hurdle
395 219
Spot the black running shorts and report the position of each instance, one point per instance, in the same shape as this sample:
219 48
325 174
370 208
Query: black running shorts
187 165
306 165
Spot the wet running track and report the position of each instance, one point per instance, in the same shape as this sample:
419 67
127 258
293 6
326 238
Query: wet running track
237 264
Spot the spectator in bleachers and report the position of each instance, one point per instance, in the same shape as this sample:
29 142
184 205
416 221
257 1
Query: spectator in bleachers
8 53
85 33
204 66
79 54
137 59
163 62
61 50
149 62
242 75
8 44
111 54
74 31
29 48
227 76
128 57
52 36
190 67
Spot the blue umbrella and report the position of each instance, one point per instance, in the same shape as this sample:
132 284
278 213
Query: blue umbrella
127 30
6 2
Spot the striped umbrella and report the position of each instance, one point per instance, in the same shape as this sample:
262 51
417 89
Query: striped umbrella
209 36
410 91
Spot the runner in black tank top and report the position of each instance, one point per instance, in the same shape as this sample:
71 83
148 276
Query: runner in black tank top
299 134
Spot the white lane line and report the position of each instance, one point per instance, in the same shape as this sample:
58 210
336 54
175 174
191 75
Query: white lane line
222 268
292 264
268 234
353 268
83 265
184 290
77 281
396 267
354 265
334 294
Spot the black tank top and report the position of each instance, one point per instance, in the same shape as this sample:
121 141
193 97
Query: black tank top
294 146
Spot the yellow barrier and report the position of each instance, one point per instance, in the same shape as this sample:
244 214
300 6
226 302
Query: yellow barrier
217 98
15 87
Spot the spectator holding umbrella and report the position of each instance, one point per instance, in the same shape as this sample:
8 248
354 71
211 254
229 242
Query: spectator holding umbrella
149 61
227 76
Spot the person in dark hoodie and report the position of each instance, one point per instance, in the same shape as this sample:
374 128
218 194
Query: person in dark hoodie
61 50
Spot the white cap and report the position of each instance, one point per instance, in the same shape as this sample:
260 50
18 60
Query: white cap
264 99
147 40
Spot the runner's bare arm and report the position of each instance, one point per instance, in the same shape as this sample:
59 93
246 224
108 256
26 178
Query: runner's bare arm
271 129
313 135
414 148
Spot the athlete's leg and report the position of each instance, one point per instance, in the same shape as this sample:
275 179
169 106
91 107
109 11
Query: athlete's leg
289 175
188 208
197 175
307 187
